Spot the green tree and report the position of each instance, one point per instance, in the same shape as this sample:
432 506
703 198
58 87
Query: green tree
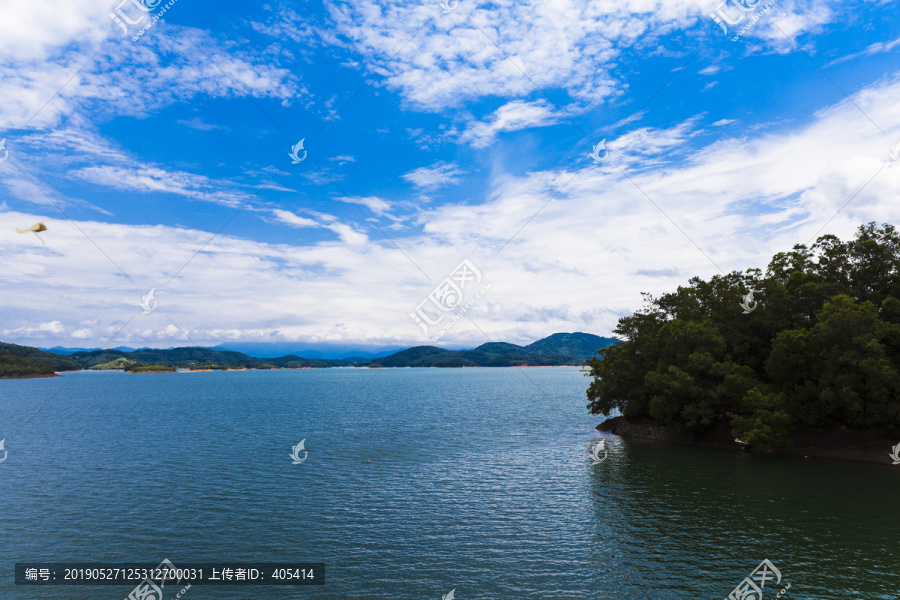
765 422
821 345
838 372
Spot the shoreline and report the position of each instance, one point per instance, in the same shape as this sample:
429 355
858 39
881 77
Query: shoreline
185 370
32 376
872 445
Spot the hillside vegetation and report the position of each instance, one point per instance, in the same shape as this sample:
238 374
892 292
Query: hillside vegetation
820 347
56 362
12 366
556 350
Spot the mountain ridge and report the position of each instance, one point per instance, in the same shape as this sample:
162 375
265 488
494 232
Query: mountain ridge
558 349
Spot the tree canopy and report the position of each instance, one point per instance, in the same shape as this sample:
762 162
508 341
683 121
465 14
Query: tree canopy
820 345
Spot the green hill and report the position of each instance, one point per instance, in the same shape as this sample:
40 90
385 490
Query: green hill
418 356
557 350
174 357
579 345
120 363
499 348
49 359
12 366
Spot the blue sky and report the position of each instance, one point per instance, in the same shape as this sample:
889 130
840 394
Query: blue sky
433 136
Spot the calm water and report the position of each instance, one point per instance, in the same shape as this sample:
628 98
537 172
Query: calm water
418 481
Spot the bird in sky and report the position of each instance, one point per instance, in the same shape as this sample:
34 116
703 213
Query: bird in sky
34 229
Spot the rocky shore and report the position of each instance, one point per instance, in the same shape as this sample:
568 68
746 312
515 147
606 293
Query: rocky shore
31 376
865 445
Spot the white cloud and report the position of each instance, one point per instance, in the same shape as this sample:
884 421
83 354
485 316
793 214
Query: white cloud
512 116
342 159
511 49
577 266
435 176
156 179
379 206
198 124
786 20
648 146
559 45
44 154
94 77
32 30
290 24
871 49
345 232
52 327
294 220
42 330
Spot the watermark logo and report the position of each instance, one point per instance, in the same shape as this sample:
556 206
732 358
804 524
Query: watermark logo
296 450
148 302
34 229
599 152
448 596
123 19
148 590
296 159
449 7
722 17
751 588
597 449
134 12
895 152
895 455
4 153
5 453
448 297
749 304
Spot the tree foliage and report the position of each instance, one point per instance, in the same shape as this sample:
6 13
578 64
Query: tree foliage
12 366
821 346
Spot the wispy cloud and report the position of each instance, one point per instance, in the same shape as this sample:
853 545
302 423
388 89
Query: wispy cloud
198 124
437 175
871 49
294 220
512 116
379 206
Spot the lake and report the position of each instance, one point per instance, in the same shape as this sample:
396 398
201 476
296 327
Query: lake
418 481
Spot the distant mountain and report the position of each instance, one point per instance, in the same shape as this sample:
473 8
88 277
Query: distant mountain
579 345
174 357
64 351
499 348
196 357
556 350
431 356
320 351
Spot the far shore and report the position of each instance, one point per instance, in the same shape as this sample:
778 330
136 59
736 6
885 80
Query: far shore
31 376
183 370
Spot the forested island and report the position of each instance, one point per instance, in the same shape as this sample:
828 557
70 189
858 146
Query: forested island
815 348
